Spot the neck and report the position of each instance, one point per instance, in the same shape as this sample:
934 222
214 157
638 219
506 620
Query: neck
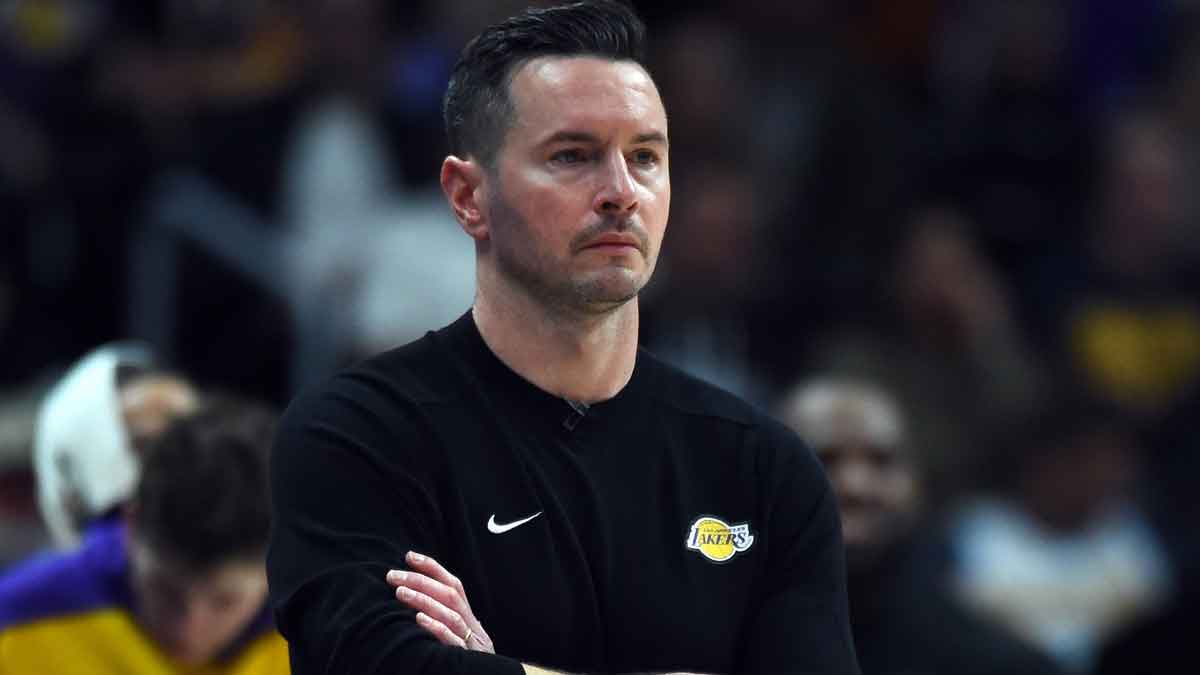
575 355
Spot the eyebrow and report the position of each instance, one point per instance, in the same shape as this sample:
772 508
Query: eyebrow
651 137
585 137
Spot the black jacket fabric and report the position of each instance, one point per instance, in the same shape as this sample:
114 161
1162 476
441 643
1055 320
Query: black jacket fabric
677 528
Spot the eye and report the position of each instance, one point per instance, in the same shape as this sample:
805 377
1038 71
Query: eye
568 156
883 459
645 157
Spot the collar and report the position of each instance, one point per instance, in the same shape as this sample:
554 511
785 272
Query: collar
517 394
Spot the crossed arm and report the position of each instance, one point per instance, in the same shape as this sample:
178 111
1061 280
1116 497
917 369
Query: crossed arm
443 609
327 583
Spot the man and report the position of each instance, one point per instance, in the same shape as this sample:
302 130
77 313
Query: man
179 585
92 429
904 621
537 486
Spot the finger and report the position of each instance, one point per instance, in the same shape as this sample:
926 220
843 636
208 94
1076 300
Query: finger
434 609
431 587
482 640
434 569
439 630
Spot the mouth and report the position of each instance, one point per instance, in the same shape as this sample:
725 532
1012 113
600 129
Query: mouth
614 243
611 247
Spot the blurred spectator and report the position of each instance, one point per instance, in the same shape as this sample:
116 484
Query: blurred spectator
903 616
179 584
92 432
389 258
1121 309
1062 556
949 344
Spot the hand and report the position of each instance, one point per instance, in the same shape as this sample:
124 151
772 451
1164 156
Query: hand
441 603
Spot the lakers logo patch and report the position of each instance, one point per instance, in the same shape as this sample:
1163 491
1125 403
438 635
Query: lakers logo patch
717 540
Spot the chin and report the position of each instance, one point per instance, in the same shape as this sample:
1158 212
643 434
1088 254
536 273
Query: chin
607 303
192 657
611 289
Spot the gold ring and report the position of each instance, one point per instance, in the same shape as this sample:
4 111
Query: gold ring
470 632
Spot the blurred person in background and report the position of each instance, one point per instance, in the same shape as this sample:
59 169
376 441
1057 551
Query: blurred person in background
178 585
366 242
526 446
92 432
60 253
949 342
1122 308
904 616
1062 554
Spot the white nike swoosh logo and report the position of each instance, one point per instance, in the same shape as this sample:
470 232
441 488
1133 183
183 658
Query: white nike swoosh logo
497 528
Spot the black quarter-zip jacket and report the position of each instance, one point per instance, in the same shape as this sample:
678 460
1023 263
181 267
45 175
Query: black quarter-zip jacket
674 527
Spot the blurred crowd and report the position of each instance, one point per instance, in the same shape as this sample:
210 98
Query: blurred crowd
955 243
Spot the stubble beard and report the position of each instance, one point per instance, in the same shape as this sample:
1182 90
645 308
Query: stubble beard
601 292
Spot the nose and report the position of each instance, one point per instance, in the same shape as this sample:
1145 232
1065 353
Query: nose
853 480
617 194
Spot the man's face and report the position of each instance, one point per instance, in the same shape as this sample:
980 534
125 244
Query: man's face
857 438
194 615
577 201
874 487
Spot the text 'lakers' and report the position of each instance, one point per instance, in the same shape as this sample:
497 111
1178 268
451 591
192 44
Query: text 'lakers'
717 540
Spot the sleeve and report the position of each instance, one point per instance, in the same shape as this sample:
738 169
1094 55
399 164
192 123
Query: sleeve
801 624
348 502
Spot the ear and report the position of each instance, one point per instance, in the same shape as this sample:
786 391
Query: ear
462 183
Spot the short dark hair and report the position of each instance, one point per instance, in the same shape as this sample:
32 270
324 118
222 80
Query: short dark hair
203 496
477 107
